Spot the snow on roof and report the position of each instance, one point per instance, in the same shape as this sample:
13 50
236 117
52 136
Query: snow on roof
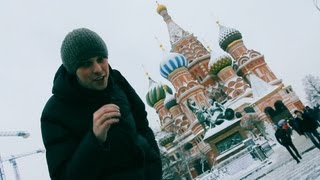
239 102
219 128
231 151
181 143
260 88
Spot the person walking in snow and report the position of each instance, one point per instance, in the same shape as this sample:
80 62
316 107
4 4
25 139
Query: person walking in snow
309 127
94 126
284 138
296 124
312 113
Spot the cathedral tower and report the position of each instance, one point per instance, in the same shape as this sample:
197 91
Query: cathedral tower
235 86
181 123
187 44
249 61
155 98
174 68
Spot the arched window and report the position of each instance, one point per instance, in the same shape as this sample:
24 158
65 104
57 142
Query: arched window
279 106
270 111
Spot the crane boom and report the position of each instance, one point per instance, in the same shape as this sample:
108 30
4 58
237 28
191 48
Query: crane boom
12 160
2 176
22 155
23 134
15 168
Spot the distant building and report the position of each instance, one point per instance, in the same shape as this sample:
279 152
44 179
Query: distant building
240 80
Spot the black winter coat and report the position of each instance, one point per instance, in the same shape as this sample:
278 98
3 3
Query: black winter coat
283 136
308 123
72 150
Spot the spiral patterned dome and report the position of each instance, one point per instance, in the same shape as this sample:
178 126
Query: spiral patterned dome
218 62
172 62
156 92
227 36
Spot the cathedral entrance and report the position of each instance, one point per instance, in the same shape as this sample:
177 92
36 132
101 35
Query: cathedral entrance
280 111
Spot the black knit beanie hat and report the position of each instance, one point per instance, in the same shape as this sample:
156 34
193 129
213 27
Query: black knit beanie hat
79 46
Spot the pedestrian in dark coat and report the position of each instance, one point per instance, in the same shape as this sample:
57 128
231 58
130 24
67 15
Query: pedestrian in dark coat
95 127
309 127
284 138
296 124
312 113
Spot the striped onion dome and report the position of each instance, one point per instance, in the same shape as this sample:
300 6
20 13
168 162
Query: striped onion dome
218 62
172 62
156 92
227 36
169 101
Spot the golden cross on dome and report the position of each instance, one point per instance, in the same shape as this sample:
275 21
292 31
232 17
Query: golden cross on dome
145 71
218 23
160 44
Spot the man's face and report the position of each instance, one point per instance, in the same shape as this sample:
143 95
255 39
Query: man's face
94 73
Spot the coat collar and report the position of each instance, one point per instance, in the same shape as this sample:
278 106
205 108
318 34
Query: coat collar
67 87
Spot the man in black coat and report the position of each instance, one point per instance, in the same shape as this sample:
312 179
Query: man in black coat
284 138
95 126
296 124
309 127
312 113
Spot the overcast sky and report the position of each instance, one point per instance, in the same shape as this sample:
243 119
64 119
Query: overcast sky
287 32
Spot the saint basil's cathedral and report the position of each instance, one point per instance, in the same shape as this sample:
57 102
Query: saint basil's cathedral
203 82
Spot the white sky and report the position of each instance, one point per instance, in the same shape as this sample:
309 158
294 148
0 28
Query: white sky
286 32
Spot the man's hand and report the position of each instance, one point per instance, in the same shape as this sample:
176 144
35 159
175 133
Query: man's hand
103 118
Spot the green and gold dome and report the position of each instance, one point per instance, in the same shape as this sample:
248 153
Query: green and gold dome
227 36
156 92
169 101
217 63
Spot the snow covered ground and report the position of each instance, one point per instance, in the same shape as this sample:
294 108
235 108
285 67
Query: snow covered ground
280 165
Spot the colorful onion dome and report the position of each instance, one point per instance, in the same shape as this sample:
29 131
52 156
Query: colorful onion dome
172 62
227 36
169 101
156 92
217 63
160 8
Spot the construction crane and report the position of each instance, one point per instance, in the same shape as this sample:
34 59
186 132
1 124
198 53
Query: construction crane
12 160
1 170
23 134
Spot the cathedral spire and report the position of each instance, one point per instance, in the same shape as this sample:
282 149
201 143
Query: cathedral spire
175 31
